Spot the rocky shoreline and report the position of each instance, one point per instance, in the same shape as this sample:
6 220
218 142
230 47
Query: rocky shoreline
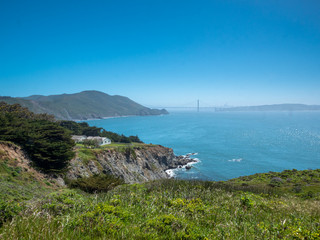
185 161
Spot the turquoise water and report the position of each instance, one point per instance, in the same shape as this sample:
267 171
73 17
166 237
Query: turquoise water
230 144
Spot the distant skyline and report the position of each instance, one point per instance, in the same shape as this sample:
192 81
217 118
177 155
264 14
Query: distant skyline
164 53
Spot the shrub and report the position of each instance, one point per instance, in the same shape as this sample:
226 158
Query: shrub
59 203
164 223
96 183
246 201
91 143
103 219
8 210
308 195
276 182
297 188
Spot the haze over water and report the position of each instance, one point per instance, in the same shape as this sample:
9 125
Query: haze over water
230 144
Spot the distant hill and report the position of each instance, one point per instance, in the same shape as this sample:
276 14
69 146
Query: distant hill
83 105
275 107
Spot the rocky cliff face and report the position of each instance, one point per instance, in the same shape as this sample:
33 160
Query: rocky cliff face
138 164
132 164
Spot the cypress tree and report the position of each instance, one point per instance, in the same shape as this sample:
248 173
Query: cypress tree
47 143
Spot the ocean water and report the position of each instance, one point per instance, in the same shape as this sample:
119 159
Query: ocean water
230 144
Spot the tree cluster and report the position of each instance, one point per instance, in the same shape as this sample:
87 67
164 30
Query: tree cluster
47 143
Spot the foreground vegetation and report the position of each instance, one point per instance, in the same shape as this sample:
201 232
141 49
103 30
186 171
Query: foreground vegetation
167 209
304 184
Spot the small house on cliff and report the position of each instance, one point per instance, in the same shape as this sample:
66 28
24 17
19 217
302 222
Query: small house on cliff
100 140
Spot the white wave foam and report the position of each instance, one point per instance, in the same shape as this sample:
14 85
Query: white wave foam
235 160
171 173
191 163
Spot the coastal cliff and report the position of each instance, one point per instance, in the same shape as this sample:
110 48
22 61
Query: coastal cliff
133 164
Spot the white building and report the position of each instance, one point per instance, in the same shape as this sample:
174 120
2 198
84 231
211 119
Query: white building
100 140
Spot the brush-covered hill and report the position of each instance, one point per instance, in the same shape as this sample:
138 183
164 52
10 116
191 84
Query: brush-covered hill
83 105
261 206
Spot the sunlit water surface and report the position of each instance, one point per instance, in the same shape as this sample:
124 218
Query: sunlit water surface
230 144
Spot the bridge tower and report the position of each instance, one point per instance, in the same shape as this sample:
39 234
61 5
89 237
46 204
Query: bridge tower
198 105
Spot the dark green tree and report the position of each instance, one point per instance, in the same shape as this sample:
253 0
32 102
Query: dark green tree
47 144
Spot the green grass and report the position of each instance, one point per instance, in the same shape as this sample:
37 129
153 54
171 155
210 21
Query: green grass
122 145
17 188
116 146
305 184
86 155
168 209
89 154
16 184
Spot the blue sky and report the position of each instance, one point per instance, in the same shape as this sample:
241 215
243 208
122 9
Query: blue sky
164 53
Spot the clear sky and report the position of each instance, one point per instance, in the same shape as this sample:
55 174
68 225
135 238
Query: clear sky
163 53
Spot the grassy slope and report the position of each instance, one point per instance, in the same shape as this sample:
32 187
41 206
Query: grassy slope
18 182
16 185
305 184
261 206
18 188
168 209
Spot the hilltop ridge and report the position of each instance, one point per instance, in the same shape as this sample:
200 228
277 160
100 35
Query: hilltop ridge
84 105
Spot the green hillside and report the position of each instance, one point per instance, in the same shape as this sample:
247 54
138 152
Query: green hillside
166 209
83 105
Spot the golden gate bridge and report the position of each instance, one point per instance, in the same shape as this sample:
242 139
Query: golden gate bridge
194 105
